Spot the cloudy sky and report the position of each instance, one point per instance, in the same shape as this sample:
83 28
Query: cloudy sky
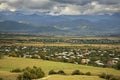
62 7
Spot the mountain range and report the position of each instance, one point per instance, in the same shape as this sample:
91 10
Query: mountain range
63 24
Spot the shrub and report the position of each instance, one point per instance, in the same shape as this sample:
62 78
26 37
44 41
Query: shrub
102 75
27 68
61 72
108 77
76 72
1 78
88 73
52 72
26 75
39 73
16 70
31 73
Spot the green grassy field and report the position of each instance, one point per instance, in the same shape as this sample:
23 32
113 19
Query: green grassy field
9 63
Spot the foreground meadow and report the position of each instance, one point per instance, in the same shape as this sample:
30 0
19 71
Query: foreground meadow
80 77
9 63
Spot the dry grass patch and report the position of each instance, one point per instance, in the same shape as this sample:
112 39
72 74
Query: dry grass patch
80 77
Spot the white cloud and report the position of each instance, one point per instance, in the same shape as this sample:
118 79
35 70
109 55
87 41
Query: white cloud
65 10
98 8
5 6
71 9
94 3
63 7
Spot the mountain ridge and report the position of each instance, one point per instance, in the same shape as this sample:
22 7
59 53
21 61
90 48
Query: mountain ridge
79 24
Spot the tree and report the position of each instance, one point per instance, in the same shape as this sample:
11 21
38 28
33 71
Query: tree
31 73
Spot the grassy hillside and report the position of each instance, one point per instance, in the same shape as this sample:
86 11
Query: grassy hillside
8 64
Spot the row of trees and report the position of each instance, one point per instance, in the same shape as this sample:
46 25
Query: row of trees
58 40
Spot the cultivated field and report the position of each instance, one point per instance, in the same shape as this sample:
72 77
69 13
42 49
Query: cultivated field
60 44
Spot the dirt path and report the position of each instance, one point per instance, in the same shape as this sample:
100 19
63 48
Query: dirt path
44 78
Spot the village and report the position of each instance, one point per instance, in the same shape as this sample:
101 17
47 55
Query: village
86 55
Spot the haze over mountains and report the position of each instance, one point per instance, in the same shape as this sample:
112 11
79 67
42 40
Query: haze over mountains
61 24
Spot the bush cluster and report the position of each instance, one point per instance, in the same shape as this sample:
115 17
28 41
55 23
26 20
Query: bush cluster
31 73
77 72
108 76
52 72
59 72
88 73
